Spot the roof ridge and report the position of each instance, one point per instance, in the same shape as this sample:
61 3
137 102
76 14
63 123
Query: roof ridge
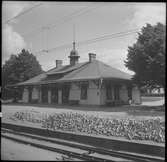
77 70
68 68
55 68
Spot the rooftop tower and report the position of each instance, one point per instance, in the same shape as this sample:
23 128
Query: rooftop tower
74 53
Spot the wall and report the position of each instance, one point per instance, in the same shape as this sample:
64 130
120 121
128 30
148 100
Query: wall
123 93
35 93
40 95
93 93
49 96
136 96
59 96
75 92
103 96
25 95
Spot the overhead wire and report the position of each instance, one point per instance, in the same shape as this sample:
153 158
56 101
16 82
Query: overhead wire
69 17
89 41
22 13
81 12
115 35
46 28
62 20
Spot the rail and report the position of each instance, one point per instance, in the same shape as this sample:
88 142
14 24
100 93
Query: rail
90 149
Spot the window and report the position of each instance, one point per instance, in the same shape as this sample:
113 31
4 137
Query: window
84 92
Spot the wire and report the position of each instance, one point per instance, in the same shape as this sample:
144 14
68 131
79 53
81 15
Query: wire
22 13
102 38
71 3
61 21
115 35
81 12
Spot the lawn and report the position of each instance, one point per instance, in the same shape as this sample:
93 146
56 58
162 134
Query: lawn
127 111
148 99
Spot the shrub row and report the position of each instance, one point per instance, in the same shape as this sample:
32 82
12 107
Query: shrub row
151 129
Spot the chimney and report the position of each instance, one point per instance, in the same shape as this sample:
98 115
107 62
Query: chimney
92 57
59 63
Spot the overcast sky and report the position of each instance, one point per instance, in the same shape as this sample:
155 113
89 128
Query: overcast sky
98 19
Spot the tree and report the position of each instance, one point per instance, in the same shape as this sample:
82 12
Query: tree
17 69
147 56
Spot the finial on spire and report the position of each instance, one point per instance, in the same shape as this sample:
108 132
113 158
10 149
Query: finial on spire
74 36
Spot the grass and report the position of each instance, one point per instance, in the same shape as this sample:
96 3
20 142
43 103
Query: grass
140 111
149 99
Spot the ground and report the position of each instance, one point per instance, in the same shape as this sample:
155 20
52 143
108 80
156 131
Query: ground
153 101
130 112
147 110
11 150
140 122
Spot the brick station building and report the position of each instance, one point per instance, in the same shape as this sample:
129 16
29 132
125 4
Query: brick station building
87 83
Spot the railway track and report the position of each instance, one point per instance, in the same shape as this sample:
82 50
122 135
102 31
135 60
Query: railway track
75 150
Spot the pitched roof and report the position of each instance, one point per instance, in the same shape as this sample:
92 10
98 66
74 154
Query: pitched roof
34 80
81 71
64 69
95 70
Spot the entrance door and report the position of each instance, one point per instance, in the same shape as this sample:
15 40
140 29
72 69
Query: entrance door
30 95
116 92
109 92
65 94
54 95
44 94
130 92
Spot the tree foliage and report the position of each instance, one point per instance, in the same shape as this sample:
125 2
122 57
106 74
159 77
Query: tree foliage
147 56
17 69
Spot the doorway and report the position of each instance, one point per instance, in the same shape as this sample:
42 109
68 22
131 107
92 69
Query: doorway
65 94
54 95
44 90
30 95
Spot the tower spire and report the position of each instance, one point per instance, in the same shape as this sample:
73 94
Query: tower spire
74 53
73 36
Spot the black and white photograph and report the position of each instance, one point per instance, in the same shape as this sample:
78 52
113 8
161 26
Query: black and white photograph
83 81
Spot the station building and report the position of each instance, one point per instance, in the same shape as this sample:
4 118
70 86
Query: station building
87 83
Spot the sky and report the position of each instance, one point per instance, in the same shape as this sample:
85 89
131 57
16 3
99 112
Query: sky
91 20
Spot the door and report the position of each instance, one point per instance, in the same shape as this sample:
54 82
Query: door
54 95
116 92
109 92
65 94
130 92
30 95
44 94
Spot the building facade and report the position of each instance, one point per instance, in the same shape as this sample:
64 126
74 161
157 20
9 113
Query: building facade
87 83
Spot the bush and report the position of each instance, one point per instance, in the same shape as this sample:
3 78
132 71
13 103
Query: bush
152 129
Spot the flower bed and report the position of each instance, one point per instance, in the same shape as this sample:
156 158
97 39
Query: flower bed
150 129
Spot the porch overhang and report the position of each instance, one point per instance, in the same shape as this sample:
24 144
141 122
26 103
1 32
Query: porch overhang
70 81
